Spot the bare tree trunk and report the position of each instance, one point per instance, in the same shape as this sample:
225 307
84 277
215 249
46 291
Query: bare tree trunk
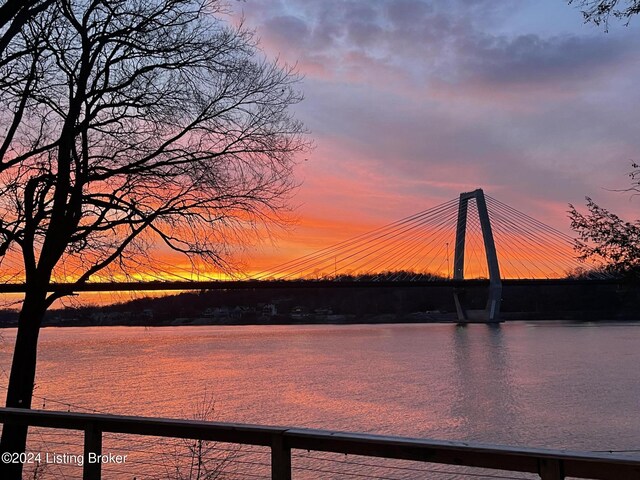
21 380
158 123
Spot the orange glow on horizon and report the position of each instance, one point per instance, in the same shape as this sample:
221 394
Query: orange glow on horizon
321 247
430 250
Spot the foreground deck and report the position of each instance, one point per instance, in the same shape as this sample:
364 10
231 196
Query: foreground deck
548 464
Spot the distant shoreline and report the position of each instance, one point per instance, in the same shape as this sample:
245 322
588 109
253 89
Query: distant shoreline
444 318
347 306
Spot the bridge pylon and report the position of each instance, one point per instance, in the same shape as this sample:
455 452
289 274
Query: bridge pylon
491 312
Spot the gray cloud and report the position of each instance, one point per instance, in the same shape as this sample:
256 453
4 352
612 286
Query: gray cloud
288 28
433 94
530 59
427 45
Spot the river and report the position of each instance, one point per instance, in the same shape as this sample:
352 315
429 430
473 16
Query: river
547 384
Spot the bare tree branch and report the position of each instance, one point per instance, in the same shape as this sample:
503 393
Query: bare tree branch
133 124
600 11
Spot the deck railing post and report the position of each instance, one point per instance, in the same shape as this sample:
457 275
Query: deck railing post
280 459
550 469
548 464
92 445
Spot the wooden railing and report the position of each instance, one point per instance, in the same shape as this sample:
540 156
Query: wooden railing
549 464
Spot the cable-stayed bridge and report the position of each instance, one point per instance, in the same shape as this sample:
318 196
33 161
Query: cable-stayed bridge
424 246
473 238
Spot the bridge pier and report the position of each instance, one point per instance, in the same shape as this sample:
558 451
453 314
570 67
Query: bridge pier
491 312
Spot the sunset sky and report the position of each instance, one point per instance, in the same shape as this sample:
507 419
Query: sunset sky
411 102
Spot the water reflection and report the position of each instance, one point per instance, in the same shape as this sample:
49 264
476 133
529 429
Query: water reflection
485 400
539 384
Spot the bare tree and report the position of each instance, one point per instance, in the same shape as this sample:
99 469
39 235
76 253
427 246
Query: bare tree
144 122
18 65
605 237
202 459
15 14
599 11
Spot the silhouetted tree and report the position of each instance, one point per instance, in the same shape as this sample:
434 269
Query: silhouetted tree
14 15
599 11
18 67
129 124
201 459
605 236
635 178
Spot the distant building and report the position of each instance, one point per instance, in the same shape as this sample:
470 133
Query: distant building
269 310
298 312
238 312
323 311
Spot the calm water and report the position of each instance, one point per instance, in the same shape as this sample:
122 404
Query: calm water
560 385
